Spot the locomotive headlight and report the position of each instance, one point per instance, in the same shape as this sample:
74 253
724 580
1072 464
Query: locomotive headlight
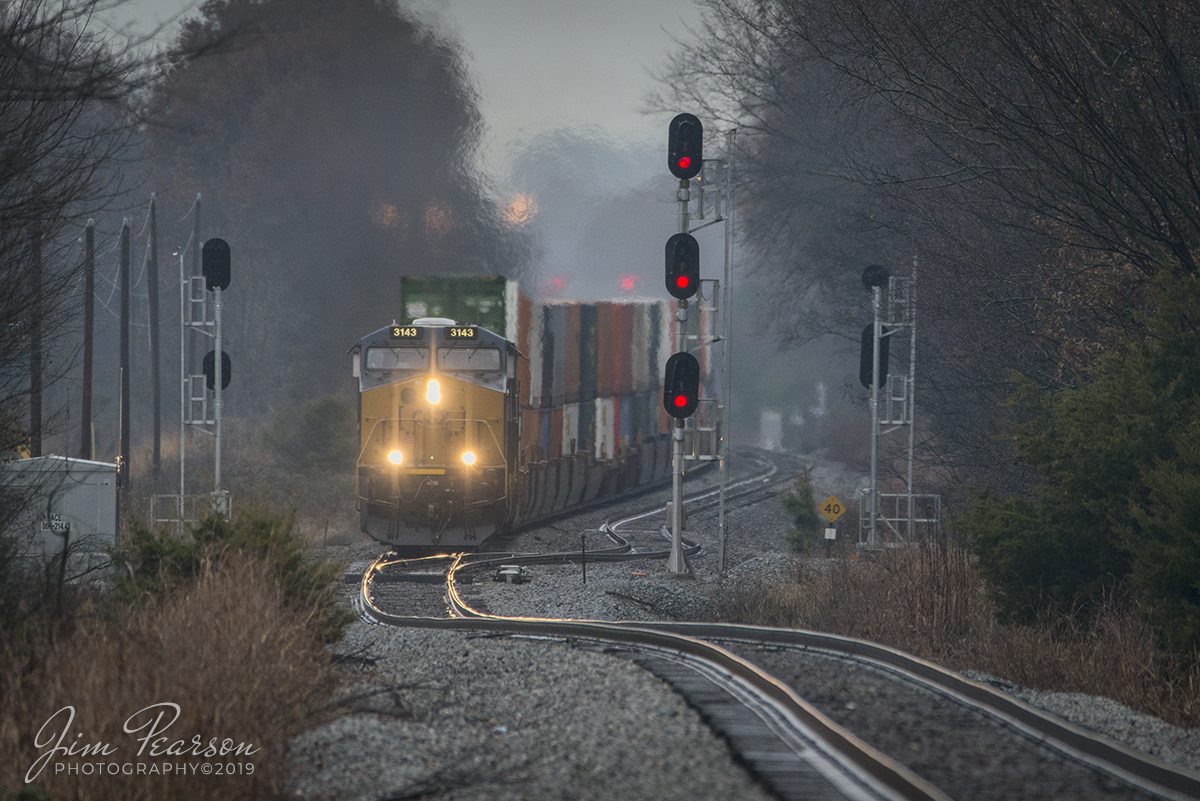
468 458
395 457
433 393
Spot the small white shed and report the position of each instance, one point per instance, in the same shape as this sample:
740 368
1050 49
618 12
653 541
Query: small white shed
65 500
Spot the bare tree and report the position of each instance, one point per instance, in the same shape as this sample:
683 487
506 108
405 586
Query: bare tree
334 150
64 125
1040 158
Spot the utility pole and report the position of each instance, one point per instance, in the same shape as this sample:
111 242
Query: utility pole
123 457
35 346
155 374
86 438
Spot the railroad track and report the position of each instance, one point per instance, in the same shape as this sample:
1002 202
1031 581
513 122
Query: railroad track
797 751
742 679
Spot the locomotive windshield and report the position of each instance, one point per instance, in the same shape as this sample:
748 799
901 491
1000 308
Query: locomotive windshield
397 358
476 360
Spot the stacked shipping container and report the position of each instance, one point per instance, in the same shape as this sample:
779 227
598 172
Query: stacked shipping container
590 396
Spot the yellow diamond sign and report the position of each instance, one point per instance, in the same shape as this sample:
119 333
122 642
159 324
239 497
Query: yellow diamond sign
832 508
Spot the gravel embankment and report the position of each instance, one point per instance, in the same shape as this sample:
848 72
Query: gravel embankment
465 717
460 717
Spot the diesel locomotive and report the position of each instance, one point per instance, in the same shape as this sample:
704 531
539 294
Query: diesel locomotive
438 422
526 410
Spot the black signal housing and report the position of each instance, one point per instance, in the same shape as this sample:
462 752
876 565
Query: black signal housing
681 385
685 146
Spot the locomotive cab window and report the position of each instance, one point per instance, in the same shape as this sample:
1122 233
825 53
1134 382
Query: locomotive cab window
475 360
397 358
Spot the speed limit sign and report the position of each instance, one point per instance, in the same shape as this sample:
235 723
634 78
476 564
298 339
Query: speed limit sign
832 508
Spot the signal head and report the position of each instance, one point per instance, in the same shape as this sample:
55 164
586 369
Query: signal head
683 266
214 261
209 368
875 275
685 146
681 385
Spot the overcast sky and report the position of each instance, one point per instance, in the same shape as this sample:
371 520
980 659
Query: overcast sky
540 65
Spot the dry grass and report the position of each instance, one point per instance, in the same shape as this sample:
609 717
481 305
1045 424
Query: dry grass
928 601
322 499
240 663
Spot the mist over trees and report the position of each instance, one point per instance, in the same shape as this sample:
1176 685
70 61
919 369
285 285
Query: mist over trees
596 231
1040 161
1037 158
333 148
65 125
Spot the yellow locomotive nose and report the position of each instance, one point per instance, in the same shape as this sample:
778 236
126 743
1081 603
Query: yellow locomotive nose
433 394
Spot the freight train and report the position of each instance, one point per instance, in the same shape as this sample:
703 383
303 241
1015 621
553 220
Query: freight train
484 410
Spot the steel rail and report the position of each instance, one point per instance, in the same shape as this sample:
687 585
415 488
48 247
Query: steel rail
622 550
1141 769
883 771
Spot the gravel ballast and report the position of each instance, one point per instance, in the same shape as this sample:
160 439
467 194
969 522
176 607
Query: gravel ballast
501 718
464 717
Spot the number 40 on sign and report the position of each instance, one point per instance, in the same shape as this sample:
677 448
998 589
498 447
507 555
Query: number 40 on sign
832 508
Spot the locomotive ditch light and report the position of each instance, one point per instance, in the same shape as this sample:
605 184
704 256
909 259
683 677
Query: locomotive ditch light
395 457
468 458
433 393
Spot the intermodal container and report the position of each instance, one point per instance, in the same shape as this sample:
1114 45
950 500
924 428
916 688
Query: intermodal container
623 344
571 354
607 345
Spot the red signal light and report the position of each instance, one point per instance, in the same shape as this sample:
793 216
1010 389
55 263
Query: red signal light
685 146
681 385
682 266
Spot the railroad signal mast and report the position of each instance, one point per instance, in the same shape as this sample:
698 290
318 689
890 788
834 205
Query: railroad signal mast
201 402
894 310
682 385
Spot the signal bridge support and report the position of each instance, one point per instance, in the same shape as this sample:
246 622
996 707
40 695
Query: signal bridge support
197 314
892 405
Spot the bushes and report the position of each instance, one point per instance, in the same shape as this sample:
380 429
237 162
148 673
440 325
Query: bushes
929 601
225 646
800 503
153 562
229 622
321 435
1120 504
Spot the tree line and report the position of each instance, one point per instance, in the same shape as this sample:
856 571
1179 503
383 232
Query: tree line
1041 159
332 147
